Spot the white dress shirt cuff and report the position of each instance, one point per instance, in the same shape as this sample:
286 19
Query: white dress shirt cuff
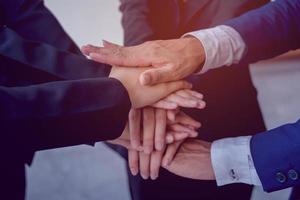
222 45
232 161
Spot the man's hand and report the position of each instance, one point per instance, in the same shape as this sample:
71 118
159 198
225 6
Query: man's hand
148 162
172 59
193 160
141 95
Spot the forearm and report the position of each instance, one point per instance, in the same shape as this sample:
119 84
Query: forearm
276 156
259 34
64 113
46 58
270 30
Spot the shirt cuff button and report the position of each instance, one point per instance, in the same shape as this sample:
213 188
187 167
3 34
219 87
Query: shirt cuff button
280 177
293 174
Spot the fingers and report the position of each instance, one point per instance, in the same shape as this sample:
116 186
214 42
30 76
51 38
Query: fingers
164 104
181 101
160 128
117 55
184 119
133 161
186 129
144 159
134 128
171 115
148 129
175 86
170 153
188 99
173 136
155 163
88 49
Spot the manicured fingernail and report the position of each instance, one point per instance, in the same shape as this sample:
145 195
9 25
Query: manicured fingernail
154 177
145 177
134 171
159 146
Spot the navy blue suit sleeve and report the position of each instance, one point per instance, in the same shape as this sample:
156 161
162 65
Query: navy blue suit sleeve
270 30
33 21
63 113
46 58
276 157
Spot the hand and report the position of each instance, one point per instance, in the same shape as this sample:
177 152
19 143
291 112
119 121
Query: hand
193 160
140 95
181 98
172 59
148 164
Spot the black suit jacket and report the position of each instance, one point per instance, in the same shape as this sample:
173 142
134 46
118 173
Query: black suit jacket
50 95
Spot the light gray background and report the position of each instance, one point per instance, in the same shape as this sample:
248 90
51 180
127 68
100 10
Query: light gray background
87 173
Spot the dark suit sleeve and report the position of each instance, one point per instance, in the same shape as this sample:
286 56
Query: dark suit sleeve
136 21
27 23
21 106
276 157
32 20
63 113
270 30
46 58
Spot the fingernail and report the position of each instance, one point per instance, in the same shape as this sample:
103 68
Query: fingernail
165 163
201 104
154 177
145 79
193 134
145 177
134 171
159 146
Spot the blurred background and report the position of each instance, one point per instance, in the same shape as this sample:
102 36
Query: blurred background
94 173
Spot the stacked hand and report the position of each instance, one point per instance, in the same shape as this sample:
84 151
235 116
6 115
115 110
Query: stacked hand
153 135
156 130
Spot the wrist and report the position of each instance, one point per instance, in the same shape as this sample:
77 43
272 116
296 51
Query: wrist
196 51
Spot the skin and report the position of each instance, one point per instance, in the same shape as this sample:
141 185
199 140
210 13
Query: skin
192 160
169 60
140 95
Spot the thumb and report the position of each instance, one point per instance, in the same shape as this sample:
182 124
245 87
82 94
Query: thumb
157 75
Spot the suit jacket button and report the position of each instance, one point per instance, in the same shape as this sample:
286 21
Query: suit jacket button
280 177
293 174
